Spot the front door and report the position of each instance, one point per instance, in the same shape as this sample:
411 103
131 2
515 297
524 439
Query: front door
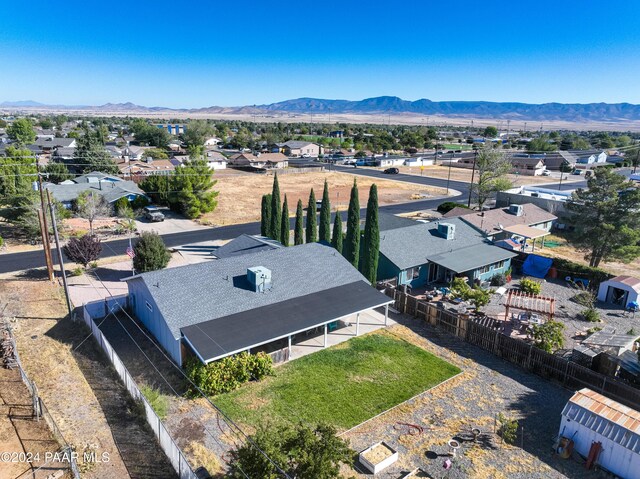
433 272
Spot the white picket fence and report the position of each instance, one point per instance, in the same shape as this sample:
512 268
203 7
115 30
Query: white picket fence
99 310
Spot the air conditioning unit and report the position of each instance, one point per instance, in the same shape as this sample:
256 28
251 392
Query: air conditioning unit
517 210
259 278
447 230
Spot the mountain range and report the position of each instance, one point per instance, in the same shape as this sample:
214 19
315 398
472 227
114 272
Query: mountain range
570 112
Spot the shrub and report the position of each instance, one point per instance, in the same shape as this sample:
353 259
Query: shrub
1 242
595 329
498 279
150 253
530 286
140 202
632 332
444 208
77 271
591 314
121 204
508 429
156 400
83 250
566 268
228 373
548 336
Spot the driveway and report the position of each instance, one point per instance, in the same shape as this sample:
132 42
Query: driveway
173 223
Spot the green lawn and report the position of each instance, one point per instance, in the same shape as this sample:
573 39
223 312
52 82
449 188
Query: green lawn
343 385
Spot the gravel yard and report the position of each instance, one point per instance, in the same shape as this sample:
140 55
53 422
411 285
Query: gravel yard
487 386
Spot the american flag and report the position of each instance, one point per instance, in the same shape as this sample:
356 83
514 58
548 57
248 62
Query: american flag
130 252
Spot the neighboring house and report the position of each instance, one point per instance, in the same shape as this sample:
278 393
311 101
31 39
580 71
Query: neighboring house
300 148
559 160
495 223
173 129
602 430
549 200
115 152
211 141
246 244
215 160
49 144
249 302
527 165
246 160
437 252
274 160
590 157
419 161
111 188
64 154
150 167
135 153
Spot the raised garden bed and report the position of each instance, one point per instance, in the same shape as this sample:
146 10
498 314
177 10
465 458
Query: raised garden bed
378 457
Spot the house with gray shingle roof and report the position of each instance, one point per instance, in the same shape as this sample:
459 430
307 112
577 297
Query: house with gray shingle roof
438 251
110 187
249 301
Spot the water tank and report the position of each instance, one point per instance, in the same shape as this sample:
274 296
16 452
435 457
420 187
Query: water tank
259 278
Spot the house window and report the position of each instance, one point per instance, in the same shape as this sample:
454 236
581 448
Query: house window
499 265
149 307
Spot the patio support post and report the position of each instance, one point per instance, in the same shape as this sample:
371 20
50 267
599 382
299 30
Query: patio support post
357 324
386 314
290 353
325 335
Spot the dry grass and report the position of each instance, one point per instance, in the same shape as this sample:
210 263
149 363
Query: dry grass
199 454
241 195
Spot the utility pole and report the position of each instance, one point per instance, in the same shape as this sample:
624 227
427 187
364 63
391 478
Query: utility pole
449 173
473 175
46 244
62 270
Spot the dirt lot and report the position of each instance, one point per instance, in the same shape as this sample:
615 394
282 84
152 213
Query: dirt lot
240 195
84 395
21 433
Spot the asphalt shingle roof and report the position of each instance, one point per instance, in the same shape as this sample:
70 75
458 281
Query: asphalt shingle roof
489 223
201 292
415 245
245 244
472 257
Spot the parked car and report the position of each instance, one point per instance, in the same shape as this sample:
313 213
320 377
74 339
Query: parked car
546 173
576 172
152 213
392 171
306 155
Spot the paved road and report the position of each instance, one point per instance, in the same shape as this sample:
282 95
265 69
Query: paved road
34 259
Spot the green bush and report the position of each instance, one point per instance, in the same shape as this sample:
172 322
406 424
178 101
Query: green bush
508 429
444 208
121 204
498 279
1 242
530 286
140 202
591 314
77 271
595 329
151 253
228 373
158 401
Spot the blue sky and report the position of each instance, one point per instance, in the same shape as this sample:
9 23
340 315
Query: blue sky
185 53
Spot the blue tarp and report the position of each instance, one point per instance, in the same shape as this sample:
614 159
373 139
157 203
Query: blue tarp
536 266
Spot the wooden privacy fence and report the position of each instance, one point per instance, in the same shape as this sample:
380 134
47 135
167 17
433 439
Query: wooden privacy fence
486 334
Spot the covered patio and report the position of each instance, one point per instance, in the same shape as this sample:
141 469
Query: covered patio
527 233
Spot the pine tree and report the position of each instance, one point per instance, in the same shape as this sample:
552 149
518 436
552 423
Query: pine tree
371 239
265 220
298 233
265 217
351 247
336 241
276 212
312 220
324 227
284 225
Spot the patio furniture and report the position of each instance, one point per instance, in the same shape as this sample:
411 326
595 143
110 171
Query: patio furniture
332 326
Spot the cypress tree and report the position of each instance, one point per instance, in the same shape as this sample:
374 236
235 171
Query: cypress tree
336 241
312 220
276 212
371 239
284 225
324 227
351 247
298 234
265 219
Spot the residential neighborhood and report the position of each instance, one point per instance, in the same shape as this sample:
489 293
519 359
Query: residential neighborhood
231 254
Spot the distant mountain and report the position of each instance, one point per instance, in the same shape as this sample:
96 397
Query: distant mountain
569 112
471 109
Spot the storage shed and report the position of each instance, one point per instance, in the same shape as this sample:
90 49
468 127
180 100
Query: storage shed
604 431
620 290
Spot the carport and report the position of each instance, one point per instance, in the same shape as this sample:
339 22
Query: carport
620 290
527 232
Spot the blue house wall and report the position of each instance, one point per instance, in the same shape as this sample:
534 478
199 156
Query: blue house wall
146 310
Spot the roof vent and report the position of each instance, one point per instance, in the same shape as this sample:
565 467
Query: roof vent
517 210
259 278
447 230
